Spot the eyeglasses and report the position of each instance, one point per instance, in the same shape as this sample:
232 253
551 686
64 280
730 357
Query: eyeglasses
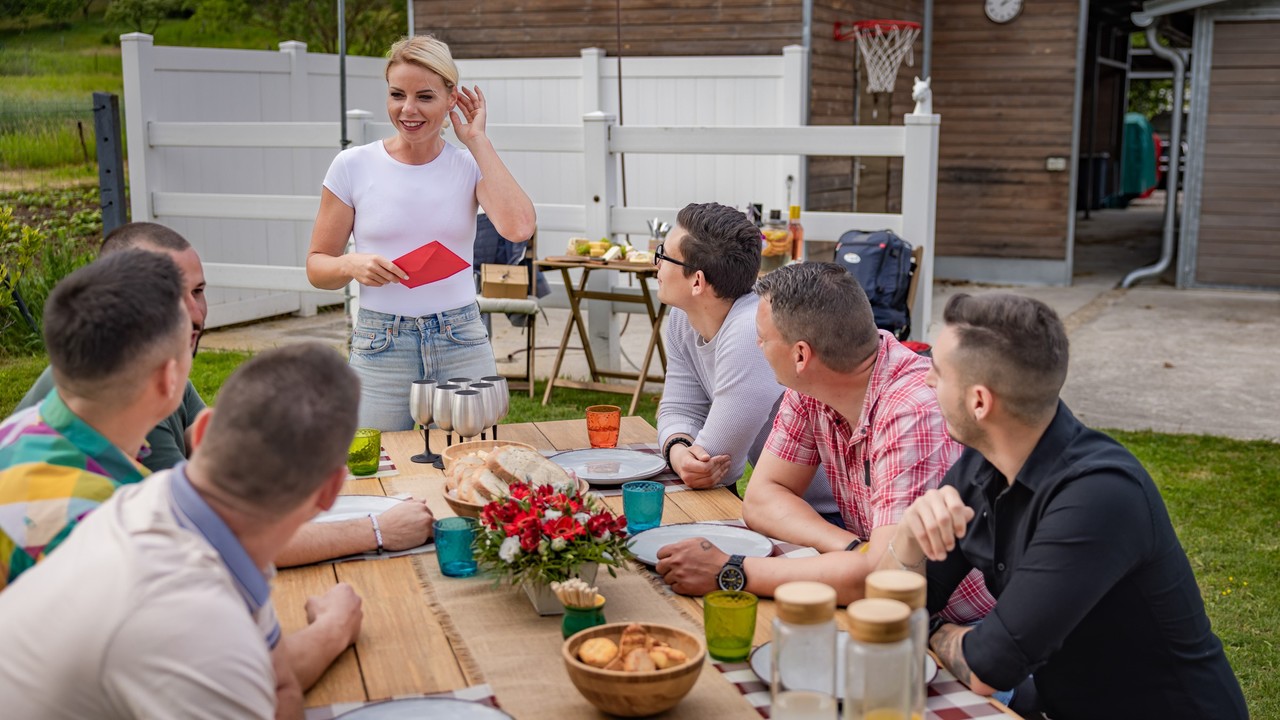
658 257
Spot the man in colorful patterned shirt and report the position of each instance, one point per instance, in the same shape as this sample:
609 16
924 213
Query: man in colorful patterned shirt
120 353
857 405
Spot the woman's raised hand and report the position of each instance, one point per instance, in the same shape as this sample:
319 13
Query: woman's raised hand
472 104
373 270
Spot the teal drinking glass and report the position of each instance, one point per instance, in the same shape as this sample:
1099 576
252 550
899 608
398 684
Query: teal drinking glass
455 537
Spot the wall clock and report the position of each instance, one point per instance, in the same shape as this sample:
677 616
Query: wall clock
1002 11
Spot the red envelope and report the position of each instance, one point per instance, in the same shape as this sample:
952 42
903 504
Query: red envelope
429 263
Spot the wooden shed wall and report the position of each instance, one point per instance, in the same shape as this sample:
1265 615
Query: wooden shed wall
1238 244
832 102
561 28
1006 96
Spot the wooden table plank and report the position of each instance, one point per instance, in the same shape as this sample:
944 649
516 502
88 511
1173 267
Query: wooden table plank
402 648
362 486
572 434
714 504
342 682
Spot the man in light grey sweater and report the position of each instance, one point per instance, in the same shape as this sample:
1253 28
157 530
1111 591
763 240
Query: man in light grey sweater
720 395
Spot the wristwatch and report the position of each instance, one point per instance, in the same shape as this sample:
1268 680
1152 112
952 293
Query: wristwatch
732 576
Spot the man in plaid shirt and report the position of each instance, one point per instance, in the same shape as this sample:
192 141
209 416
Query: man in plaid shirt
857 405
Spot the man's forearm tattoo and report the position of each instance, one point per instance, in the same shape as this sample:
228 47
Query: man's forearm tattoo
947 643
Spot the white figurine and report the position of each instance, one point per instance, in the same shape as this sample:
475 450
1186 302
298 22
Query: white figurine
923 96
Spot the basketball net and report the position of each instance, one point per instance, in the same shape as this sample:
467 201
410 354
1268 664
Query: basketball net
883 44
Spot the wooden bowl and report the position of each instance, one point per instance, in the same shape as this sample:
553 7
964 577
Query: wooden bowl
472 510
635 694
453 452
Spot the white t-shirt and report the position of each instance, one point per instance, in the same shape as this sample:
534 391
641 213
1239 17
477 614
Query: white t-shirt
400 208
133 617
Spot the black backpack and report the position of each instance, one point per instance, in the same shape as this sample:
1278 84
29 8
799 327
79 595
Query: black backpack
881 261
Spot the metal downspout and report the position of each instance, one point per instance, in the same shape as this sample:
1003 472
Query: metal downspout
1175 157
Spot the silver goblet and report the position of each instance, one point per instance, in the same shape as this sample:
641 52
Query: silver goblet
420 394
468 413
503 395
489 400
442 411
464 383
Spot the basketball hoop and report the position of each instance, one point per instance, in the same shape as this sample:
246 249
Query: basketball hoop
883 44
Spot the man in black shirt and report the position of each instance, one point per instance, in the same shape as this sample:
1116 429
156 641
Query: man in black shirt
1095 598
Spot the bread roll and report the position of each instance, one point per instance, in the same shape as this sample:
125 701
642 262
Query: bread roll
517 464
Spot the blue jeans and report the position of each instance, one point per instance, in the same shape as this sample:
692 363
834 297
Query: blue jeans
389 352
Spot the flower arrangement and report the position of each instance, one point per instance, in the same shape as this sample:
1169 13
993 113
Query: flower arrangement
539 535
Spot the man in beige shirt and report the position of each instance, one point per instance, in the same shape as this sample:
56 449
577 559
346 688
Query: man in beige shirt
158 604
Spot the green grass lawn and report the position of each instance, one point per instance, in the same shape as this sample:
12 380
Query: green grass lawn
1222 495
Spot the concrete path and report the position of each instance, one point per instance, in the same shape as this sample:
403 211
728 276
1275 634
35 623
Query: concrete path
1180 361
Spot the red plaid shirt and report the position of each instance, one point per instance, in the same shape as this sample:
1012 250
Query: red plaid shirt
898 450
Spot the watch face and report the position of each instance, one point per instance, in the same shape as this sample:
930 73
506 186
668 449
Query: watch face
731 578
1002 11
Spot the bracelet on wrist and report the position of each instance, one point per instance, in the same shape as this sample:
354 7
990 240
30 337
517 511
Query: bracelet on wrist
671 444
905 566
377 531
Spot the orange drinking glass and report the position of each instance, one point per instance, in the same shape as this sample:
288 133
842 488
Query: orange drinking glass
603 423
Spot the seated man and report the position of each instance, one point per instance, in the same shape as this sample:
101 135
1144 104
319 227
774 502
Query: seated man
720 395
1094 593
406 526
166 443
120 354
158 604
857 404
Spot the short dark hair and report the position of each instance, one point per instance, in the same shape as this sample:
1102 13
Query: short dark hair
823 305
134 234
282 424
101 319
724 244
1013 344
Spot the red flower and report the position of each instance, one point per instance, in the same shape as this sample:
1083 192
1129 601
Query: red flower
530 537
563 527
519 490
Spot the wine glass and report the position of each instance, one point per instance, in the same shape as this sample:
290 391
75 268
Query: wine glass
442 411
503 395
463 383
467 413
420 394
489 400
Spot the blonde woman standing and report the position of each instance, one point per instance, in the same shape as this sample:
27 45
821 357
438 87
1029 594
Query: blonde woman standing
397 195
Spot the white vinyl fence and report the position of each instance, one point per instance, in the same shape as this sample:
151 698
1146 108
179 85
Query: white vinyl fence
229 147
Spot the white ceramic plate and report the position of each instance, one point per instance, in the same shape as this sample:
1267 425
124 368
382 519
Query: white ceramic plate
762 663
730 539
347 507
610 466
422 708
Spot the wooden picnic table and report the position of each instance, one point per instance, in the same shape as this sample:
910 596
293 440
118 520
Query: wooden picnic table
402 648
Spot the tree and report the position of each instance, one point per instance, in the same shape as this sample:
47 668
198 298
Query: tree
144 15
372 25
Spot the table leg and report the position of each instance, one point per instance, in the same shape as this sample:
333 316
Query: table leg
655 318
655 340
564 340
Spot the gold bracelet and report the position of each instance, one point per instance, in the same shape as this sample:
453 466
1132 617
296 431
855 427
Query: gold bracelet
905 566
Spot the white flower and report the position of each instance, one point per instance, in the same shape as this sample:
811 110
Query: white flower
605 536
558 544
582 518
551 515
509 550
543 546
